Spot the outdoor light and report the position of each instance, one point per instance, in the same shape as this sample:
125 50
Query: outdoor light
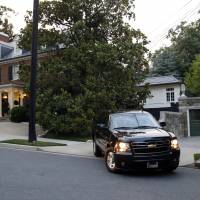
5 97
174 144
122 147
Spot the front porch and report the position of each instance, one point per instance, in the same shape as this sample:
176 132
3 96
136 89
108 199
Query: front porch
11 95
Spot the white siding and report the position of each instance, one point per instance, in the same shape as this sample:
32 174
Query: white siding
158 93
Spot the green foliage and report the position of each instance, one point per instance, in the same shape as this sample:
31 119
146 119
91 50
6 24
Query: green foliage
178 58
196 156
97 71
164 62
193 76
5 26
19 114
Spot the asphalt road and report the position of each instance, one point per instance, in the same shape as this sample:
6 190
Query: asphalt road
40 176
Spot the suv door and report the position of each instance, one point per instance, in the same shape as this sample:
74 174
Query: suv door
102 136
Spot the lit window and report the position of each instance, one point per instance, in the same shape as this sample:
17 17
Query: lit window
170 95
15 72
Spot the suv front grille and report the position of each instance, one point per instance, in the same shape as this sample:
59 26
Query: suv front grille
155 148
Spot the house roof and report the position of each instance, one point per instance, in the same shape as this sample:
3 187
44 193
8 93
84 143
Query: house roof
160 80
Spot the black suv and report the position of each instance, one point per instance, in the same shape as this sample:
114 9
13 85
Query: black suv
135 140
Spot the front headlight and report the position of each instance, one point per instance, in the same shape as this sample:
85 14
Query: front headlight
174 144
122 147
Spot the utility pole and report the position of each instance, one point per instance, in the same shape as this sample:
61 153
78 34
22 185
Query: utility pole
32 131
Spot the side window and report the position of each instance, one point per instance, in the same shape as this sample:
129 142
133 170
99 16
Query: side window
15 72
170 97
10 74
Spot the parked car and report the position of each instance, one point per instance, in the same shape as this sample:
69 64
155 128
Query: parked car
135 140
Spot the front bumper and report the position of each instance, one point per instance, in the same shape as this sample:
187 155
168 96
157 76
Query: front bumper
127 161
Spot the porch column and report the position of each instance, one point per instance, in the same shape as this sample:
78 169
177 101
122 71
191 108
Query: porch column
10 99
0 104
21 99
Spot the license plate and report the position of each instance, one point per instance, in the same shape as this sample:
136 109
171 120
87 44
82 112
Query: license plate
152 165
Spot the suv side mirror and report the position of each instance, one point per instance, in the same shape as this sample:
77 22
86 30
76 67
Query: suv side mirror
104 126
162 124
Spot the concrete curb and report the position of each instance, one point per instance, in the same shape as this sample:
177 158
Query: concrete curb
69 154
22 147
31 148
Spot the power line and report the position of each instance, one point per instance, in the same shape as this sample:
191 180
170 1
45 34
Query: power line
188 15
193 11
185 5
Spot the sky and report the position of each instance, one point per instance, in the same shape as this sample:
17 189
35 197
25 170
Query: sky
153 17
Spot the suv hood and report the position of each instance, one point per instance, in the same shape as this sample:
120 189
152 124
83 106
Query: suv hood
135 134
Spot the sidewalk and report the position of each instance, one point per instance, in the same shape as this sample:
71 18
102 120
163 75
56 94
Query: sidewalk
189 146
9 130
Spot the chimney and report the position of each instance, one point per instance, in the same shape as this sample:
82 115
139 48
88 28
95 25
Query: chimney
4 37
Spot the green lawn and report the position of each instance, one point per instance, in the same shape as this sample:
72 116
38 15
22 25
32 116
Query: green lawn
38 143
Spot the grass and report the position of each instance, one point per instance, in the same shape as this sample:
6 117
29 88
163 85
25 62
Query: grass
78 138
197 156
38 143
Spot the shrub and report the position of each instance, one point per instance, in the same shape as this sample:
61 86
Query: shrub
19 114
197 156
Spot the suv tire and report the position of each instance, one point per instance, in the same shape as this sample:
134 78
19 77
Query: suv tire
109 161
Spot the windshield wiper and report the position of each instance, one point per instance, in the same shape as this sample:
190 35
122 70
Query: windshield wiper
123 127
140 127
136 127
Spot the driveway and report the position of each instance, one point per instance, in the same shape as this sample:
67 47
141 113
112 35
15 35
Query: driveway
189 146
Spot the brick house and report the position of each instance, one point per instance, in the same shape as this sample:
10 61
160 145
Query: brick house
11 88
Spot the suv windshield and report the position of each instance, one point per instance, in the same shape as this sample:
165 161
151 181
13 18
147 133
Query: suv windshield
133 121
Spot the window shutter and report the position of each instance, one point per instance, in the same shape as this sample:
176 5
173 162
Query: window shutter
10 74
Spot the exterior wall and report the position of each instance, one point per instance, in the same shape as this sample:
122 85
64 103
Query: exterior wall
157 112
187 103
4 74
176 123
179 122
158 93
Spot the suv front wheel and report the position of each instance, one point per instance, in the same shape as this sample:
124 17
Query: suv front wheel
110 161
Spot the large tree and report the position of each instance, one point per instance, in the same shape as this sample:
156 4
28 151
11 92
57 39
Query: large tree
164 62
5 25
177 58
193 76
99 68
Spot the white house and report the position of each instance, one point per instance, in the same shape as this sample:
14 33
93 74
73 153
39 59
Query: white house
165 92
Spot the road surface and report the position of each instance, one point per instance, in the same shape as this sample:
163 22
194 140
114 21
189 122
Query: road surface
26 175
